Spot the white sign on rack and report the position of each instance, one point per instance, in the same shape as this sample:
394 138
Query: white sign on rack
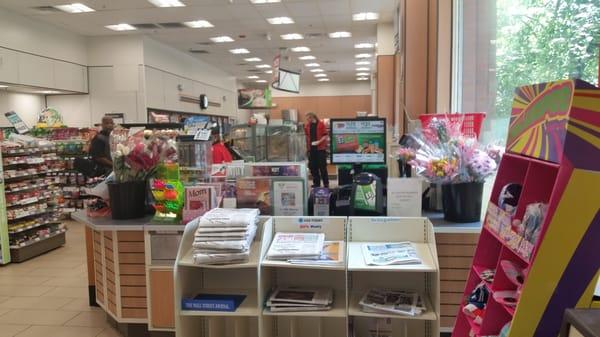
404 196
288 197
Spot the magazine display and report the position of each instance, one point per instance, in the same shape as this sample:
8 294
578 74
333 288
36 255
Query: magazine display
224 236
198 200
332 254
396 302
300 299
286 246
254 192
384 254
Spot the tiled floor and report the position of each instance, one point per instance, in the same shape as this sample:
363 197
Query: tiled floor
47 295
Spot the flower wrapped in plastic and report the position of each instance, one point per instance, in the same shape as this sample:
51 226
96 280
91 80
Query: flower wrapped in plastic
444 155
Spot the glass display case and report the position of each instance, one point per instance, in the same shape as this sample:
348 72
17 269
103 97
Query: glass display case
274 143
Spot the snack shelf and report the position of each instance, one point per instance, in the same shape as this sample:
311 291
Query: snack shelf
38 239
36 225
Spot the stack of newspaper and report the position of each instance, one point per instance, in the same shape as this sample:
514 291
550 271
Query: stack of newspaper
383 254
300 299
386 301
286 246
224 236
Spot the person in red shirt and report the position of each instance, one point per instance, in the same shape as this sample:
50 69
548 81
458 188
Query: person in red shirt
220 154
316 146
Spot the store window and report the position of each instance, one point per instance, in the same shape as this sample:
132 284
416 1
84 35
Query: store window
502 44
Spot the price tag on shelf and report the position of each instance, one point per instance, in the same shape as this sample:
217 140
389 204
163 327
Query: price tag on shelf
202 134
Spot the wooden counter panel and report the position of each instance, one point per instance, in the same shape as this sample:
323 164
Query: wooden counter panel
449 309
134 302
451 262
110 286
131 247
99 296
453 286
162 299
447 321
112 307
130 291
132 258
451 298
134 313
124 236
132 269
456 238
456 250
108 235
454 275
133 280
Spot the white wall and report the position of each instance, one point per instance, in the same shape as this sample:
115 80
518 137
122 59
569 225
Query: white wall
27 106
24 34
75 109
385 39
115 50
329 89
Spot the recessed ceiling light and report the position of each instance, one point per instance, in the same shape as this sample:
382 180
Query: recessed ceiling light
362 74
258 2
239 51
268 71
75 8
263 66
167 3
310 65
198 24
318 70
339 35
221 39
362 78
365 16
362 56
321 75
281 20
292 36
252 59
3 86
323 80
121 27
300 49
261 81
363 45
363 69
47 92
307 57
362 63
252 77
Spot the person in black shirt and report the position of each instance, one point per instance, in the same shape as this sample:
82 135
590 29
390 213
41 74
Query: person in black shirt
100 147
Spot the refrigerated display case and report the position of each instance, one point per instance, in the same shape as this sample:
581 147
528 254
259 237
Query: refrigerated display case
273 143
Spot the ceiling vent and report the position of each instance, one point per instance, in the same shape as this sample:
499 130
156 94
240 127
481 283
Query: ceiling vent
172 25
242 64
146 26
313 35
46 9
198 51
254 71
327 61
208 43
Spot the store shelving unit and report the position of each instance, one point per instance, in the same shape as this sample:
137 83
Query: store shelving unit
280 273
423 278
32 218
239 279
4 239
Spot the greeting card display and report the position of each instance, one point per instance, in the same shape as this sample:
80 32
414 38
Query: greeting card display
254 193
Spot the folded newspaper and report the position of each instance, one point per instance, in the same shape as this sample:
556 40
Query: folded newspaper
397 302
383 254
290 299
331 255
229 217
287 246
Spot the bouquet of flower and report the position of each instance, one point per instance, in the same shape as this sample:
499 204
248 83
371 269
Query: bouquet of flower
405 154
136 157
443 154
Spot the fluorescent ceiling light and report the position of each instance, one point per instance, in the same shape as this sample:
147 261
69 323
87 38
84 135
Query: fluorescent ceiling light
167 3
321 75
365 16
252 77
300 49
3 86
318 70
307 57
281 20
363 69
362 74
268 71
362 78
258 2
362 56
121 27
263 66
364 45
239 51
75 8
292 36
221 39
48 92
310 65
323 80
198 24
252 59
339 35
261 81
362 63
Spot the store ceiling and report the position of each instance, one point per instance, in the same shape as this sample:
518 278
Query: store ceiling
243 21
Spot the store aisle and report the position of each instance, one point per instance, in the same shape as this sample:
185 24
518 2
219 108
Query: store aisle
48 296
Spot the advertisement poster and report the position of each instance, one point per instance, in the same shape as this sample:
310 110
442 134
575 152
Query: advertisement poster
276 171
198 200
254 193
404 196
366 197
358 141
254 98
288 197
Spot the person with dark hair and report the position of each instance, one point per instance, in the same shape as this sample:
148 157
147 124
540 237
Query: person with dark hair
220 154
316 145
100 147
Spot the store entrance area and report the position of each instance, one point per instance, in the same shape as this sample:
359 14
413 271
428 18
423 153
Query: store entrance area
48 296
